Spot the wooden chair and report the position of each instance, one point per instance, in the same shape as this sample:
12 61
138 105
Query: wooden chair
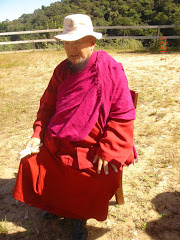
119 193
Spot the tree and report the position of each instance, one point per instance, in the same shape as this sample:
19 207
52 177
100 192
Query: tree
102 13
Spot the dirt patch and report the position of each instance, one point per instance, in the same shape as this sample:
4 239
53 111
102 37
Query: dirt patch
151 187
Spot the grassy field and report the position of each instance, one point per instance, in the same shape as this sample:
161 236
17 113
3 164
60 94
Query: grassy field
151 187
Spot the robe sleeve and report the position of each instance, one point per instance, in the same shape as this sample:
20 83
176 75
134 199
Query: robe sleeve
47 106
116 146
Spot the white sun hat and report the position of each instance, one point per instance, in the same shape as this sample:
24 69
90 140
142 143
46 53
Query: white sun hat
77 26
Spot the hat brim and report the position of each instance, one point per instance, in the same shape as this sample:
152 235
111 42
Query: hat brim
73 36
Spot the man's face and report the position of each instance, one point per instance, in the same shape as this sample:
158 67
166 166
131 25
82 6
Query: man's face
80 50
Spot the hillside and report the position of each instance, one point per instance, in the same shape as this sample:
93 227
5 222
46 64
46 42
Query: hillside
119 12
103 13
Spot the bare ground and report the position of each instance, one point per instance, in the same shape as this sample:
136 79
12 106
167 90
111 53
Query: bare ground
151 187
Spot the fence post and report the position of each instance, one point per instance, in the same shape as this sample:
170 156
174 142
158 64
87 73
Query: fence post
34 42
4 39
123 35
158 33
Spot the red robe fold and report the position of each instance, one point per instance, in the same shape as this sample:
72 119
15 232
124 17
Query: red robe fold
49 181
61 178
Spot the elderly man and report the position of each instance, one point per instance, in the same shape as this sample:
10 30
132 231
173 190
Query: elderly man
85 122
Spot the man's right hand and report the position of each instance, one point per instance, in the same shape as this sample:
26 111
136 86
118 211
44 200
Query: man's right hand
33 143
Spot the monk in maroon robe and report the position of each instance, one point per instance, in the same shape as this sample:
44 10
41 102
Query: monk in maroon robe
85 122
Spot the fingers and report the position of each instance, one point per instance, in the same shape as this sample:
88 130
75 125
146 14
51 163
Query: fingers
95 158
115 168
33 143
35 150
104 164
106 169
30 143
101 163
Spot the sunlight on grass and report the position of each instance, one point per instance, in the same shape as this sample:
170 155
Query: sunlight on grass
23 79
3 227
11 61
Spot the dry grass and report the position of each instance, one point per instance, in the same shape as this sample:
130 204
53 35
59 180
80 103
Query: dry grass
151 187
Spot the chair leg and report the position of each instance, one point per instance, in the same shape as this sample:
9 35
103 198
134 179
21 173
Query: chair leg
119 193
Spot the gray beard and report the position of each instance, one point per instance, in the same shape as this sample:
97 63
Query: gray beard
74 68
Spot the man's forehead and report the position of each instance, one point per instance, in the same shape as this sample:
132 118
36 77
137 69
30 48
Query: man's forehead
81 40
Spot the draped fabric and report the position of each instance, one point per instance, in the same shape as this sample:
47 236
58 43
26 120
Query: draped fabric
80 115
101 89
55 181
46 183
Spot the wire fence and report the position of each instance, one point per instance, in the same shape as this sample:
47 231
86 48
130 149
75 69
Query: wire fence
4 35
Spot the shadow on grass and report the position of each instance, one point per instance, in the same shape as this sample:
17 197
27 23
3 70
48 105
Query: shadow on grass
167 227
19 221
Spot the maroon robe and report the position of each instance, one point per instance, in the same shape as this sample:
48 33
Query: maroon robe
61 178
51 181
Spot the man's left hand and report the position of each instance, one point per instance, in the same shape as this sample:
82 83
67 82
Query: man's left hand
104 164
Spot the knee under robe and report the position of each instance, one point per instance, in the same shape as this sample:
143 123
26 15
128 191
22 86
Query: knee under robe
62 179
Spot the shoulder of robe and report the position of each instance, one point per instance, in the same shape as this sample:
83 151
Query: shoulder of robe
59 71
111 67
60 66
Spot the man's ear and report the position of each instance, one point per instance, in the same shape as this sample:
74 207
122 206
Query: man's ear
93 42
